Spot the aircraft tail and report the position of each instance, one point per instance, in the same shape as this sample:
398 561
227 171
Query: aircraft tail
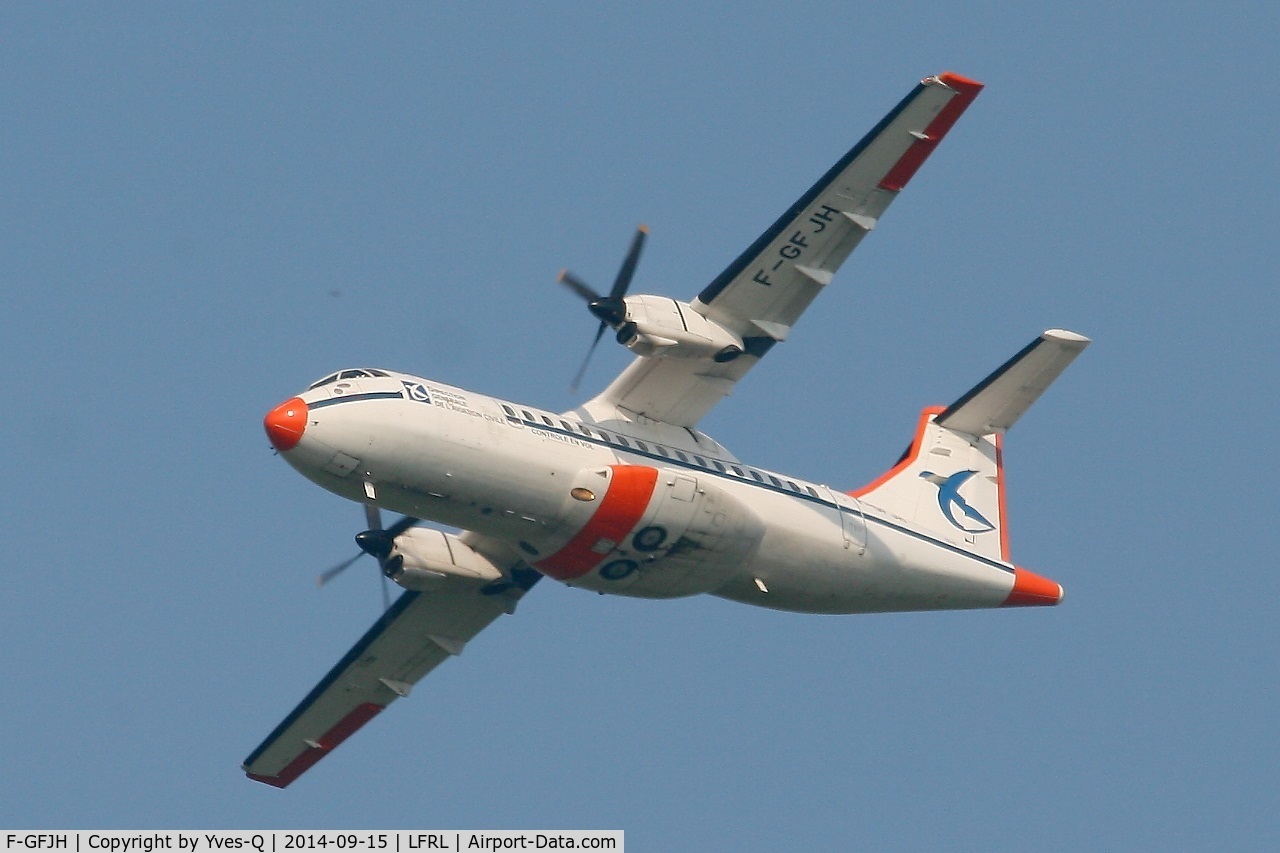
951 479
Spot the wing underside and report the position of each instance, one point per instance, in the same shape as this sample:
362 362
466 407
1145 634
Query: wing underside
418 633
762 294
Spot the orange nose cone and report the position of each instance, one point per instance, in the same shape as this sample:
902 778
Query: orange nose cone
1030 590
285 423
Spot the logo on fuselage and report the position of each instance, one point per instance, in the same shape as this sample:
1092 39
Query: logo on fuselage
416 391
950 501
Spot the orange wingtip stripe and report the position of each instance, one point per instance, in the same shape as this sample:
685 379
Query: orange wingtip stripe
1032 590
902 171
958 81
327 743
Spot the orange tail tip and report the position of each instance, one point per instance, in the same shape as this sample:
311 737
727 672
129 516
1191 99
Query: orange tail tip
1031 590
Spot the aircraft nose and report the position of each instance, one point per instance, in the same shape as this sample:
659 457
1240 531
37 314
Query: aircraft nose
285 424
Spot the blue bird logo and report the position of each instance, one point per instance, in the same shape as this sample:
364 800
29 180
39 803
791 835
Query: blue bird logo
416 391
950 500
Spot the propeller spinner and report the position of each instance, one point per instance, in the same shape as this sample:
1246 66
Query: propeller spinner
377 542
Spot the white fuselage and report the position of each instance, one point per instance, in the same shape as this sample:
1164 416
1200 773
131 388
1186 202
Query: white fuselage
626 507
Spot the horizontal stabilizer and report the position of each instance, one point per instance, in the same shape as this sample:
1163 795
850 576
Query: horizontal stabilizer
998 401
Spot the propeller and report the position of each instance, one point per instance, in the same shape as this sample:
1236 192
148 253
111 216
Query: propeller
610 310
377 542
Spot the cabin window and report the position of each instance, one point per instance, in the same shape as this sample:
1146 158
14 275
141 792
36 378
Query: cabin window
511 413
546 420
775 481
810 490
528 415
640 444
720 467
680 455
755 475
738 471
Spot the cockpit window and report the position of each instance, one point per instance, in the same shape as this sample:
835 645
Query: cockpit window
352 373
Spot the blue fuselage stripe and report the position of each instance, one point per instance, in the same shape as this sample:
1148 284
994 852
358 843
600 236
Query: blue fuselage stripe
353 398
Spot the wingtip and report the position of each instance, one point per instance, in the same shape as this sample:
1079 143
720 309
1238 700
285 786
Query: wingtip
959 82
273 781
1065 336
963 92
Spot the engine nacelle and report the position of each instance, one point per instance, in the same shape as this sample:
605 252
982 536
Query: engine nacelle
423 560
667 328
651 533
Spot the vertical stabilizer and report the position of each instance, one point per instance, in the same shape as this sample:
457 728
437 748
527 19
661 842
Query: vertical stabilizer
951 479
950 483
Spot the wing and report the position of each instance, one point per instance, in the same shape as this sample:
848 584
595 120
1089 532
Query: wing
418 632
766 289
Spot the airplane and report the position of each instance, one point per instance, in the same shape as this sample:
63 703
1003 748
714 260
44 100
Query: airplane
624 495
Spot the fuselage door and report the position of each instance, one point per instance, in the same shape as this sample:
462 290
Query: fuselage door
853 527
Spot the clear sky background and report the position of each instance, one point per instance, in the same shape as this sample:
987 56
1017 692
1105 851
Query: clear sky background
206 207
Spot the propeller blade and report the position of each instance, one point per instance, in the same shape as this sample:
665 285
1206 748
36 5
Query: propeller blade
372 516
337 570
582 371
577 285
402 525
623 281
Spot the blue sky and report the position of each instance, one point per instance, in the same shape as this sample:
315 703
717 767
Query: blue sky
206 207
